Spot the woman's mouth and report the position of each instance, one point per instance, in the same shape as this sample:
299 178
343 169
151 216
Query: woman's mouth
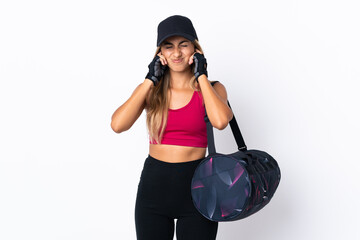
177 60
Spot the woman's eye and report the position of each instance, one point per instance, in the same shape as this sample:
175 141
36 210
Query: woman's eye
171 46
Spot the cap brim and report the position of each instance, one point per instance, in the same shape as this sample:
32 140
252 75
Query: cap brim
187 36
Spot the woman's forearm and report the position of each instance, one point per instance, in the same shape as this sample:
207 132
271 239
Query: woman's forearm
217 109
125 116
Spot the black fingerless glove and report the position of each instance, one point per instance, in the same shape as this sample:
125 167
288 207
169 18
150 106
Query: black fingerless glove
200 65
156 70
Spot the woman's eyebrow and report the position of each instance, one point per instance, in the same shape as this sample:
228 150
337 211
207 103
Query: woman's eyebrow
169 43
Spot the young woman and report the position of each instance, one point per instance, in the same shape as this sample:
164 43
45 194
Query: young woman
174 94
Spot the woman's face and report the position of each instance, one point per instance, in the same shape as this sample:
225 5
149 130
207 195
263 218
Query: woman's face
177 51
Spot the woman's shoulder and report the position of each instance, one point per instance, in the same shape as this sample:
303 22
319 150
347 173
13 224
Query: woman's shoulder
220 89
217 84
213 82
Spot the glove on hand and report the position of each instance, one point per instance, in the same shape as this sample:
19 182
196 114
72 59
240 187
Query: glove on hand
200 65
156 70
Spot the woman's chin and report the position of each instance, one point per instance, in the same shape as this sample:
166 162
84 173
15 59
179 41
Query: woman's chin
180 68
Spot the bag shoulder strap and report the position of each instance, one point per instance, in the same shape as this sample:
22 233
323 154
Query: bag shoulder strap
234 128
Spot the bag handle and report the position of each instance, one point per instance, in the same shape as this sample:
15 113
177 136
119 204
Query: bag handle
234 128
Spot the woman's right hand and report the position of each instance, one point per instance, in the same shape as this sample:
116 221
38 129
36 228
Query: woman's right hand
156 69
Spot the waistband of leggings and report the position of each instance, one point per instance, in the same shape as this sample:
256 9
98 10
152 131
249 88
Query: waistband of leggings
158 162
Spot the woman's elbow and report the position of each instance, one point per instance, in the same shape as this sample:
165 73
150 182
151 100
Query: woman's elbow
117 129
222 124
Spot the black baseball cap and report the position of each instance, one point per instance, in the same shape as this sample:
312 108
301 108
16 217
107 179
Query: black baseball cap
176 25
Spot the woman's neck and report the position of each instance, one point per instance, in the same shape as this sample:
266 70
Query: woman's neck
180 80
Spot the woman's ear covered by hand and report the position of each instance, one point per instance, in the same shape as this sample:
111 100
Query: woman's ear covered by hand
200 65
191 60
162 59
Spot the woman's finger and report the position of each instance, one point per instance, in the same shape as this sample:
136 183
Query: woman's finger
162 59
191 60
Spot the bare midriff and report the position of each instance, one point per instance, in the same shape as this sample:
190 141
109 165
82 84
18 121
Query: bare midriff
175 153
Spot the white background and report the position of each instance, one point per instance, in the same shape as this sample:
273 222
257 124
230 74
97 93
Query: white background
290 69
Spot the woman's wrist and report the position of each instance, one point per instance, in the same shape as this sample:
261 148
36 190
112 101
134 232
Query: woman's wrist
148 82
202 77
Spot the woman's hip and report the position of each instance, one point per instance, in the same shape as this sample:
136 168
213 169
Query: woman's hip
166 183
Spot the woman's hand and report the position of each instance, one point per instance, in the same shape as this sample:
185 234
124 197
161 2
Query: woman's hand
162 59
200 64
156 69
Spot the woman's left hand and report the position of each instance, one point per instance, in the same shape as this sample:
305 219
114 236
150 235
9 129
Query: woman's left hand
200 64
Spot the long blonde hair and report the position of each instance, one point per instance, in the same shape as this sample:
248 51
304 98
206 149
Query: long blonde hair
157 110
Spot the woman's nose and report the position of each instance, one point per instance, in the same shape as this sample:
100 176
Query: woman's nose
177 52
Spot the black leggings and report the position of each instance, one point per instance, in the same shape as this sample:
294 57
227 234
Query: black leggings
164 195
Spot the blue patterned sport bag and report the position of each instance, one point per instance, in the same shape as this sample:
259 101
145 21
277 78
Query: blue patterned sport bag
229 187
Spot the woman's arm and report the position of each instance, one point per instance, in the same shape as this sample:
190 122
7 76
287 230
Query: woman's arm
125 116
215 98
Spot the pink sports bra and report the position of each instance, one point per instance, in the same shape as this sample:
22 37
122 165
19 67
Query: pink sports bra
186 126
